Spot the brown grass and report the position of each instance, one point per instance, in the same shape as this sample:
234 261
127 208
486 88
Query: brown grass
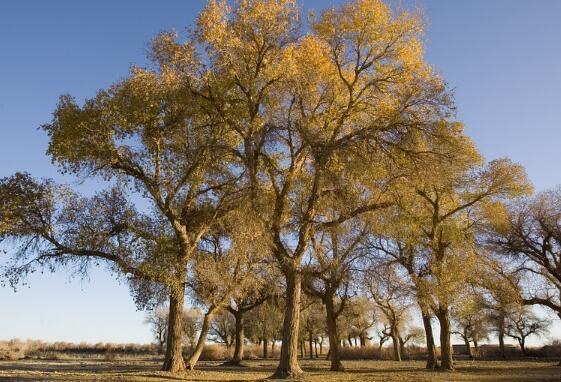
145 369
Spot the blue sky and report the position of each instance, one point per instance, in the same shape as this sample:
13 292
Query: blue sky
502 57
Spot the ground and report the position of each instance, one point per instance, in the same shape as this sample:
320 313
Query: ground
148 370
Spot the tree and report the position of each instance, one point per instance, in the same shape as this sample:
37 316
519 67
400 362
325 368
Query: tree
447 200
147 132
390 294
313 324
472 322
238 308
530 233
158 319
223 328
335 251
522 323
265 324
304 110
407 335
54 227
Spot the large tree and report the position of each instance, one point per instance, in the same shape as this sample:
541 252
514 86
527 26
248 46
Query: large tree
147 133
309 108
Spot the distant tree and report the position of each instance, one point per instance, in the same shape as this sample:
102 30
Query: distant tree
158 319
328 276
529 232
191 326
265 324
391 296
413 335
471 322
313 324
223 328
522 323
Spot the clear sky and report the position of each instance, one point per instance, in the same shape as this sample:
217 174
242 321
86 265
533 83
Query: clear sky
502 57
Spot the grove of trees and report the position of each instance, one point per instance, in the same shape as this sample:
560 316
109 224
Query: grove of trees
298 179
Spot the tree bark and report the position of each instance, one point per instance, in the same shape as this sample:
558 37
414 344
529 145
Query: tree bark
432 362
194 356
311 344
173 361
468 347
522 343
265 348
239 349
334 343
446 361
395 340
288 364
501 334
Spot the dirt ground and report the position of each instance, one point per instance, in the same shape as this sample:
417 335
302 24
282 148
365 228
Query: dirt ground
138 369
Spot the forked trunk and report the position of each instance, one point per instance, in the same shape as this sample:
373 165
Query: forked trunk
194 356
432 362
334 354
173 361
288 364
446 361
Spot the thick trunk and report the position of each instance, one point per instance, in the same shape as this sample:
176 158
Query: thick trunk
334 343
173 361
432 362
238 350
194 356
446 361
396 348
288 364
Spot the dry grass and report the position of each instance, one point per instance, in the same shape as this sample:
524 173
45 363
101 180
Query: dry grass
146 369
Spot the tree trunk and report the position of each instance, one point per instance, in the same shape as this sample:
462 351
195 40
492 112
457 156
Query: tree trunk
265 348
432 362
311 344
522 343
173 361
396 349
334 355
501 335
316 348
288 364
446 361
402 346
468 347
194 356
238 350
